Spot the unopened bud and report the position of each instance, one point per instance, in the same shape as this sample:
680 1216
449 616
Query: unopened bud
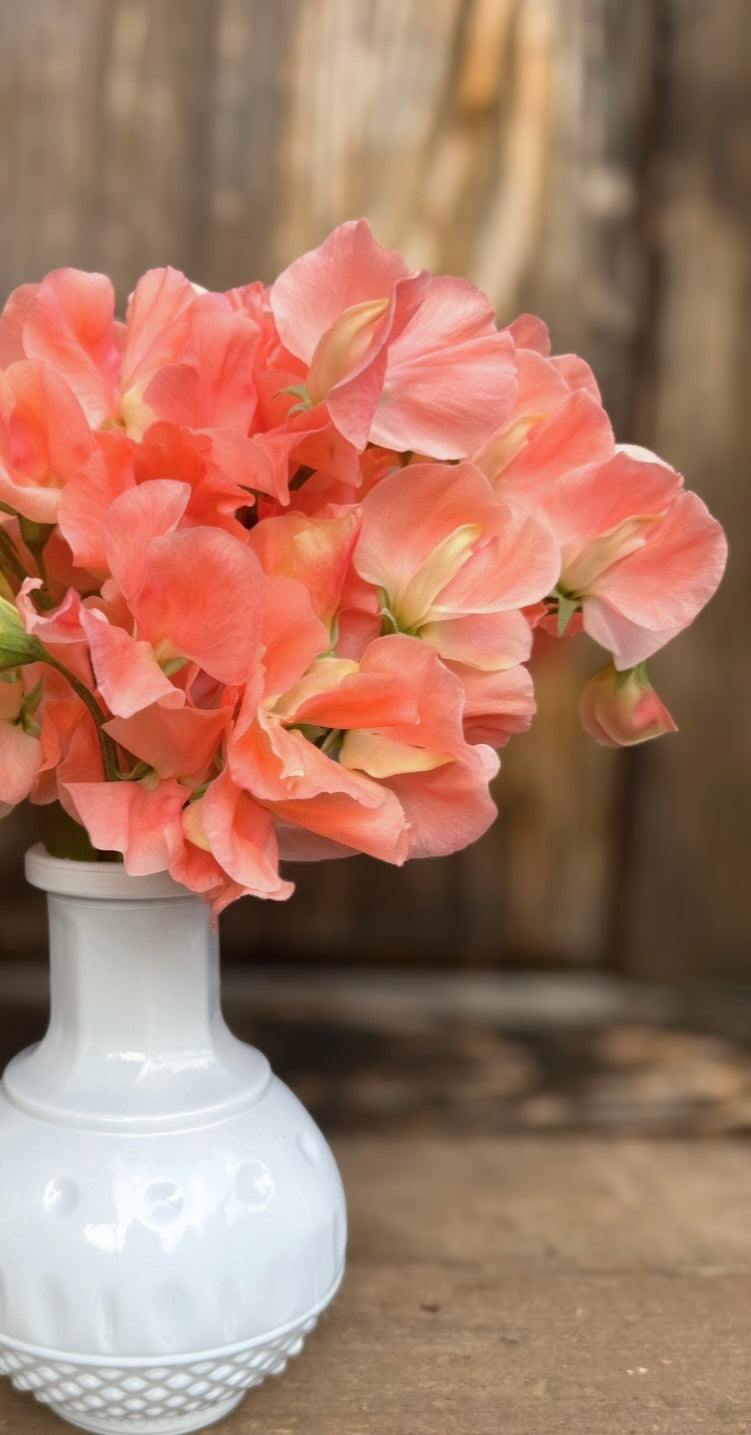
621 709
17 647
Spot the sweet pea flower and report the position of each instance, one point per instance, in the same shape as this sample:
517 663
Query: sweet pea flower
454 565
624 526
67 322
556 422
44 439
168 619
409 361
620 709
271 561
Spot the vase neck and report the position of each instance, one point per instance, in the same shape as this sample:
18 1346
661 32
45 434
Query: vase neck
131 981
136 1036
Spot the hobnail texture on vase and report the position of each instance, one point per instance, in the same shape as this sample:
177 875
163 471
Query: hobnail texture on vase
154 1399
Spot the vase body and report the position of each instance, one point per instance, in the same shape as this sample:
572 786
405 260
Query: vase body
172 1221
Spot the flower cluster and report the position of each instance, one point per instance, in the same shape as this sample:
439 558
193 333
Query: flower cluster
271 560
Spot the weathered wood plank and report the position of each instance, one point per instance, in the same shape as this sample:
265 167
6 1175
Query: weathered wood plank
690 897
526 1286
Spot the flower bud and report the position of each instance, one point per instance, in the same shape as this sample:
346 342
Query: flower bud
344 346
17 647
621 709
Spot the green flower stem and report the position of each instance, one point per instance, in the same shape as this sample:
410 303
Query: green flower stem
9 558
109 751
40 563
36 536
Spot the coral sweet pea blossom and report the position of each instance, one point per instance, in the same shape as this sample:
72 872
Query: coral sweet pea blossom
271 561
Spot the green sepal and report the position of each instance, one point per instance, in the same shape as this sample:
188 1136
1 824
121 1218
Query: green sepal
567 606
297 391
29 707
639 671
17 647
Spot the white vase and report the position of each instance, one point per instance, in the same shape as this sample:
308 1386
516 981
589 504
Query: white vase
172 1222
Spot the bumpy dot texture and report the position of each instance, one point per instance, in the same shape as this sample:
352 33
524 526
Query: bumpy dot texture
138 1394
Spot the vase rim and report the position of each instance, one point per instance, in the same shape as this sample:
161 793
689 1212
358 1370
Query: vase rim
64 876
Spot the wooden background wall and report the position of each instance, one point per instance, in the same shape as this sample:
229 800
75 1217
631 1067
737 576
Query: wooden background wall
590 159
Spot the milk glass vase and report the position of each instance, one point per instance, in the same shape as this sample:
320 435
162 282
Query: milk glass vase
172 1220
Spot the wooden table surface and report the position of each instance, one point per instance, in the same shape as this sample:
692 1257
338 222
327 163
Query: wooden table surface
522 1286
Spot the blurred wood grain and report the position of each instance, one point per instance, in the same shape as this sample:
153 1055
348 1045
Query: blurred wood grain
589 160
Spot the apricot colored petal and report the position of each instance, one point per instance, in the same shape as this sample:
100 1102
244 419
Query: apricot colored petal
127 673
378 829
60 719
247 467
216 386
292 636
326 451
629 642
588 502
362 699
487 640
81 760
349 268
304 787
133 520
529 332
274 763
578 432
20 760
577 374
497 704
199 871
242 839
410 514
62 624
204 592
44 439
436 723
70 326
296 844
353 404
130 818
448 807
540 386
664 584
86 498
318 553
450 377
197 459
176 742
12 322
155 322
513 567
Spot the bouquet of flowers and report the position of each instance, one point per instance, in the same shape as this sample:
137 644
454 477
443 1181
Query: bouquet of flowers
272 561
